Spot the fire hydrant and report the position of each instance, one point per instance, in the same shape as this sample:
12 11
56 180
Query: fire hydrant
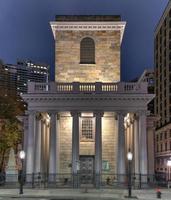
158 193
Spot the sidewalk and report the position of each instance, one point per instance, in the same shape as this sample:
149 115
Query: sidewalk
75 194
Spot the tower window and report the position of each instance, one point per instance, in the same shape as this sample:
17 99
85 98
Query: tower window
87 51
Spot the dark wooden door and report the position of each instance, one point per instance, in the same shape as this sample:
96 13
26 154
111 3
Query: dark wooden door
87 169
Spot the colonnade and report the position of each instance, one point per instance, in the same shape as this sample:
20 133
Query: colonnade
37 125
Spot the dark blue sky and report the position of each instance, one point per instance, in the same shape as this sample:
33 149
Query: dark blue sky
25 32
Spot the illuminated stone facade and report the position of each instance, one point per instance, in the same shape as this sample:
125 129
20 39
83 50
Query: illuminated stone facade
87 119
87 148
105 69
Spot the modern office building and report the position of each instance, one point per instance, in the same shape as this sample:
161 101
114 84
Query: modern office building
162 53
7 83
84 123
24 71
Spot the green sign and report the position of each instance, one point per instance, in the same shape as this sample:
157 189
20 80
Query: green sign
105 165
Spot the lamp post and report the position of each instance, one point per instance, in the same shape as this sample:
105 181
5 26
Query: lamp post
169 167
129 157
21 175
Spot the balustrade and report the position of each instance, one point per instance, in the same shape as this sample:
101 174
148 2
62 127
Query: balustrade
77 87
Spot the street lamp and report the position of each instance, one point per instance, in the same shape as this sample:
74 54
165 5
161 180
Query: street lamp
21 176
169 167
129 157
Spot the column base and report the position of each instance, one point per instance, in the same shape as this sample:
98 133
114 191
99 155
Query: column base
75 180
130 197
52 178
97 181
121 178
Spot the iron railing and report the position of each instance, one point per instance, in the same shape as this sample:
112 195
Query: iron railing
106 180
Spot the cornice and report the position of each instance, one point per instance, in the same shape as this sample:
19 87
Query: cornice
72 98
87 95
88 26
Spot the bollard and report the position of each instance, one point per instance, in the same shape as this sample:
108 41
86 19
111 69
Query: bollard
158 193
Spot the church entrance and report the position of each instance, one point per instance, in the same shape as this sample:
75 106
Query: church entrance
86 169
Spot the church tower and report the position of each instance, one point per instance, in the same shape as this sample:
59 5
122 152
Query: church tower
84 123
87 48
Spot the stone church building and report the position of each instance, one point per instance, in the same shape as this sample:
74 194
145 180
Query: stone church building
85 122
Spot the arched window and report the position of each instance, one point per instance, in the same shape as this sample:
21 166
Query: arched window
87 51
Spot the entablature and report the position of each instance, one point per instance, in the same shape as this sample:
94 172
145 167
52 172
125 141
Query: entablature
87 102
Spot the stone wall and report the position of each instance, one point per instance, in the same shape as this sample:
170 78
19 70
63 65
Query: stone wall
87 148
107 57
65 143
109 143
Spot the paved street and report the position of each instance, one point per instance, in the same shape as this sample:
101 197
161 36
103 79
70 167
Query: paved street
79 194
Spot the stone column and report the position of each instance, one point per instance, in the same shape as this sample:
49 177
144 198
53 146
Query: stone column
121 147
38 139
98 147
53 145
58 145
131 135
46 141
116 143
43 146
75 147
128 135
131 142
24 139
143 145
30 145
136 146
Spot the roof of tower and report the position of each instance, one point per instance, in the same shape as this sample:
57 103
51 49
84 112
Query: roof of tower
87 18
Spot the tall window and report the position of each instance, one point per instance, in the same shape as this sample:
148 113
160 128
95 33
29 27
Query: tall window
87 51
87 128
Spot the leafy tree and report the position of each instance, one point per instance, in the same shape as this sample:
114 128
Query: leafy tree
10 127
10 107
10 137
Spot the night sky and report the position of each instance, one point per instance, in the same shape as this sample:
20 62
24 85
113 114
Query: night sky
25 31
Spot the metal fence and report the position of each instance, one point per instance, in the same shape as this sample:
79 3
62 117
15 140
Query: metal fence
44 180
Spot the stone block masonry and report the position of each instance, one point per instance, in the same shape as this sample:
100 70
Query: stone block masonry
105 69
109 143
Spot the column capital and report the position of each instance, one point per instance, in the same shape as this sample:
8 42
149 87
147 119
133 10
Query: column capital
30 112
75 112
131 118
142 112
58 116
136 116
39 116
115 116
98 113
52 112
43 121
121 113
